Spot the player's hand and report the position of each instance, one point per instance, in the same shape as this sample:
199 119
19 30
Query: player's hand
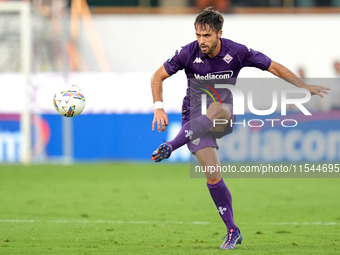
317 90
161 118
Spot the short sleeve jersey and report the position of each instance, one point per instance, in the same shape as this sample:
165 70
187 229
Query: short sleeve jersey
203 72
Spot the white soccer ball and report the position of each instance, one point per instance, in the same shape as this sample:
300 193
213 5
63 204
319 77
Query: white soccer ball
69 102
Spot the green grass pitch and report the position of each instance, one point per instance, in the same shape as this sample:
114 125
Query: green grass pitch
158 209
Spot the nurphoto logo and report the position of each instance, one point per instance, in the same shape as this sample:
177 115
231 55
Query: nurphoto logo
239 102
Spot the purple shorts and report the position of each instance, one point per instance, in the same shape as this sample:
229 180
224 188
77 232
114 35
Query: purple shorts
209 139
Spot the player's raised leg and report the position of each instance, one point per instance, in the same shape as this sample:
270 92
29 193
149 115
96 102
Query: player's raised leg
221 196
193 129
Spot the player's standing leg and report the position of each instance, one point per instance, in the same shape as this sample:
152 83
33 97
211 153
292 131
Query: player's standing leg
221 196
219 191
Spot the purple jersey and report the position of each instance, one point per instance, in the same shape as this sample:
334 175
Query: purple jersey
203 72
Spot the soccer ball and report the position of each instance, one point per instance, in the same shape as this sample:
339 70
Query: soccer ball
69 102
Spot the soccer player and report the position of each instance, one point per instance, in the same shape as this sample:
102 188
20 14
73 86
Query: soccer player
207 60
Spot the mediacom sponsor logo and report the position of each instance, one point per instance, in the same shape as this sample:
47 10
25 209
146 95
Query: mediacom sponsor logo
214 76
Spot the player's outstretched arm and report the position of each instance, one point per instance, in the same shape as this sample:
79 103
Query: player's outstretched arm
160 117
284 73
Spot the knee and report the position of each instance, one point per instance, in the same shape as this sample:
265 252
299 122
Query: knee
214 111
213 180
218 111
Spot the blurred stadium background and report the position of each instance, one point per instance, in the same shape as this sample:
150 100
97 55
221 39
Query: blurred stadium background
110 48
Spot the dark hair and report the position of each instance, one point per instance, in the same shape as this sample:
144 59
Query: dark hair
209 17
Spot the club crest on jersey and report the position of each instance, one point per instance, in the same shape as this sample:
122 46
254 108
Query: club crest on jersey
228 58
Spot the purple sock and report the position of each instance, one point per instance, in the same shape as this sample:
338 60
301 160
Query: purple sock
223 201
191 130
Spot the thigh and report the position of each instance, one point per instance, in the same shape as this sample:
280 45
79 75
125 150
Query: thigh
225 112
227 129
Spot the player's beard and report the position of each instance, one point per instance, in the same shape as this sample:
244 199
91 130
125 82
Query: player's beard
210 49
